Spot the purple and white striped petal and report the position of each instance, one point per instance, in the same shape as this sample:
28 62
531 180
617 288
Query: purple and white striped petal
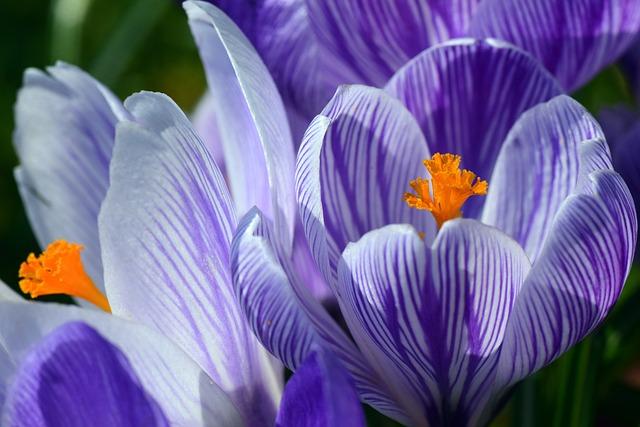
377 37
354 165
467 94
65 128
251 118
166 227
286 42
574 40
575 280
538 167
184 392
320 394
285 317
74 377
432 319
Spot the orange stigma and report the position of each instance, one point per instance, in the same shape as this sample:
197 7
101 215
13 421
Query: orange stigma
59 271
446 191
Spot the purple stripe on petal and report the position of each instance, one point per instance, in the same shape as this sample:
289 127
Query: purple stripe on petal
321 393
74 377
284 315
538 167
576 279
65 129
166 227
467 94
433 319
255 135
574 39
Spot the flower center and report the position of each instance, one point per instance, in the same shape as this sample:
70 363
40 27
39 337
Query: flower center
446 191
59 271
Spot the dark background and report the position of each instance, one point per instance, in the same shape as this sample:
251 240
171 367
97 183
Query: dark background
132 45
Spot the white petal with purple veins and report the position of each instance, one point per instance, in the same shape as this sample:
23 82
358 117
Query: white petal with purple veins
432 319
186 394
376 37
166 228
353 169
538 167
573 39
286 318
65 130
252 122
576 279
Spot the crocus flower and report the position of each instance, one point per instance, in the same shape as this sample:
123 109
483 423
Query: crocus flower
64 366
312 46
453 303
135 217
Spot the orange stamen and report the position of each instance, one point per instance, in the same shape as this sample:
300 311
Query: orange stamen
59 270
446 191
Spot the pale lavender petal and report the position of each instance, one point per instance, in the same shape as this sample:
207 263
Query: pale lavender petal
432 319
353 168
320 394
65 129
205 122
252 121
576 279
306 268
166 227
181 388
74 377
8 294
467 94
284 315
377 37
538 167
574 40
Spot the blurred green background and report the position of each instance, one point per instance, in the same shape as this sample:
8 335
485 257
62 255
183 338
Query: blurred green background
132 45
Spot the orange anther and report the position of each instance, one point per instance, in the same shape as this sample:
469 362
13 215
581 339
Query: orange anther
444 193
59 270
